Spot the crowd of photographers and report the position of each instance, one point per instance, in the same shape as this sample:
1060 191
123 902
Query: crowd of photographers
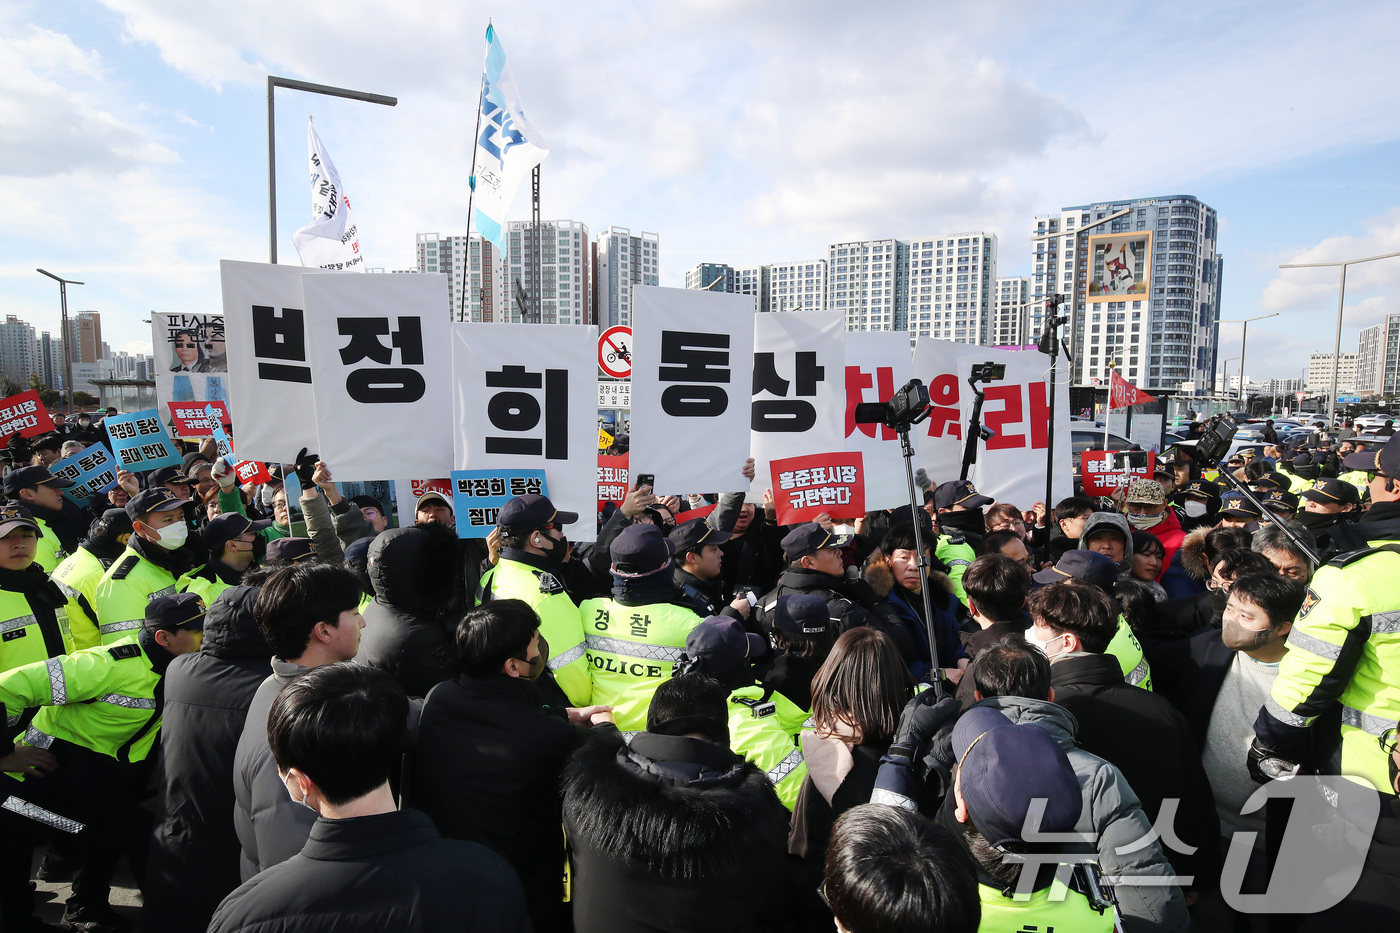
1052 717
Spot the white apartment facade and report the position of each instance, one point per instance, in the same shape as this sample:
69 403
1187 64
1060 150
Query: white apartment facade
624 259
458 256
566 272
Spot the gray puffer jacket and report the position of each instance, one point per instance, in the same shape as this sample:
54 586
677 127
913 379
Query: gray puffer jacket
1114 816
1097 522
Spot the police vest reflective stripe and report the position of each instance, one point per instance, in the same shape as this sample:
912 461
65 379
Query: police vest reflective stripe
125 588
1345 647
560 624
49 552
957 556
33 811
78 576
23 639
1055 907
756 733
631 650
1126 648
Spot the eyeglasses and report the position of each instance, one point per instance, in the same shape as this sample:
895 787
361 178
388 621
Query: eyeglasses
1388 740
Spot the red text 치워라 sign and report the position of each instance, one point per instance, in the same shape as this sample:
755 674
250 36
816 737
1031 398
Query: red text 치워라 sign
805 487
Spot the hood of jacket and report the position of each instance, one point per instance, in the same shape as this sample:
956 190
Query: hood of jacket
1116 520
1049 717
684 808
416 568
881 578
230 631
1193 553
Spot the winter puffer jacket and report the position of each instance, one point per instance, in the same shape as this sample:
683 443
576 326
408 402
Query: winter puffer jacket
194 851
1100 520
408 629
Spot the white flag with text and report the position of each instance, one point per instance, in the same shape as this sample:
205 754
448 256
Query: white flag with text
332 239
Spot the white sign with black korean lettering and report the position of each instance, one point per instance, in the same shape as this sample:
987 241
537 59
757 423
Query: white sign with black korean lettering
523 397
382 367
269 391
878 366
692 358
799 388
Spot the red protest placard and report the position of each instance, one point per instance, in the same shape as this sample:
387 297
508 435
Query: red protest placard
1100 479
613 473
23 415
252 471
190 420
689 514
805 487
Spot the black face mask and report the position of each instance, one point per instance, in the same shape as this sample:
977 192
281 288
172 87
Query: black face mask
1218 599
556 549
967 521
1318 521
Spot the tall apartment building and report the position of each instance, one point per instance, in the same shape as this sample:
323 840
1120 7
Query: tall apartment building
869 283
85 337
1015 322
458 256
951 289
623 260
1160 340
566 271
796 286
1378 358
51 360
19 349
1320 366
710 276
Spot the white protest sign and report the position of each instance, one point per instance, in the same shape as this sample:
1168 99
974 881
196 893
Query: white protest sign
692 355
382 367
523 397
1011 465
878 366
188 356
269 397
799 389
940 438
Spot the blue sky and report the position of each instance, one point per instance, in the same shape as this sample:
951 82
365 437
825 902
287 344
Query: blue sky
133 139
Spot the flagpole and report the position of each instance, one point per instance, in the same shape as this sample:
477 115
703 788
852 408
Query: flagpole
471 193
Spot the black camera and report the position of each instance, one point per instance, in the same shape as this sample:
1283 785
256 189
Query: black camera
1215 443
906 408
987 372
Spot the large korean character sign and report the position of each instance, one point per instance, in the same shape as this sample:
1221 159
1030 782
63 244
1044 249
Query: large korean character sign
270 393
1011 465
382 373
877 366
692 353
799 388
524 397
940 436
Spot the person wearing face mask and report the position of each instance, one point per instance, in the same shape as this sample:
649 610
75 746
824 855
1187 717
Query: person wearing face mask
1199 501
1179 618
1331 502
80 769
230 539
415 574
1145 506
1099 571
154 561
534 550
961 526
309 614
490 751
82 570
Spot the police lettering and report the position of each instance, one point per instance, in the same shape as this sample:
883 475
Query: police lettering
617 666
699 358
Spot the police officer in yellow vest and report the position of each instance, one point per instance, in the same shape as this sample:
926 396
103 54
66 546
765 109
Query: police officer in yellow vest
634 637
960 528
230 539
720 648
154 561
81 571
39 491
531 568
80 768
1344 650
33 614
1004 773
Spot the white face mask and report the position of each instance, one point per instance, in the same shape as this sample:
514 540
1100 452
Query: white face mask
293 789
173 535
1043 645
1142 520
1195 508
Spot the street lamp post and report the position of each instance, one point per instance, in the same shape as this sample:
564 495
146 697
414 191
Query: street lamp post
272 84
1225 374
1244 337
67 340
1341 300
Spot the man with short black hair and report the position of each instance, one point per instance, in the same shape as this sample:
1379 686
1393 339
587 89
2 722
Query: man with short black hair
891 870
1069 516
39 491
230 538
489 751
336 735
309 614
996 589
815 566
155 559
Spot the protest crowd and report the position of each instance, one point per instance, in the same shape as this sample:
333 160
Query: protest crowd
704 721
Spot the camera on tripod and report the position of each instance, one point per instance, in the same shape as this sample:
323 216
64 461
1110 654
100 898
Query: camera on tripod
987 372
906 408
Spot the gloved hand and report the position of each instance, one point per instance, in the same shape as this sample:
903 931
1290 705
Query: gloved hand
306 468
923 718
1266 765
223 474
921 478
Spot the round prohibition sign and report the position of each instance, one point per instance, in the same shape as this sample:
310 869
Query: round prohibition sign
615 352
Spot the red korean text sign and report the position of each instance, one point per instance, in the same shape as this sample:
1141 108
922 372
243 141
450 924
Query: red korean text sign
191 421
805 487
612 481
1100 479
23 415
252 471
